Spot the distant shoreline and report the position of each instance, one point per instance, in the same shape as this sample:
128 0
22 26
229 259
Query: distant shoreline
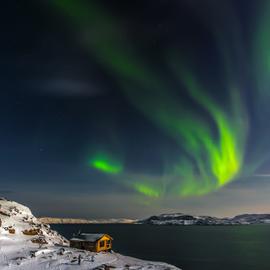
177 219
51 220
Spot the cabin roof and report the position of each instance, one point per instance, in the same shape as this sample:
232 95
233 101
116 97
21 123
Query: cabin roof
89 237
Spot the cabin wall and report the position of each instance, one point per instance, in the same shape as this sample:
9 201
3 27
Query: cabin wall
75 244
103 244
84 245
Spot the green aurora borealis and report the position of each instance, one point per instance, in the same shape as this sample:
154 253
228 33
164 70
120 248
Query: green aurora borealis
212 138
103 162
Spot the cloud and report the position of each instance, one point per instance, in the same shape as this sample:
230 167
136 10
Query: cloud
63 87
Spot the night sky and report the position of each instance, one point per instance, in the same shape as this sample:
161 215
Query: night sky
113 108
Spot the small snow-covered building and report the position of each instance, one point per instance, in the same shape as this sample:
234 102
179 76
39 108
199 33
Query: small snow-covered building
94 242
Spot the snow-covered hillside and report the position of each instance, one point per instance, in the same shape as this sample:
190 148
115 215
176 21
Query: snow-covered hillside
183 219
27 244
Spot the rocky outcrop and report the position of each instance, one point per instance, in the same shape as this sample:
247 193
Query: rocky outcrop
18 220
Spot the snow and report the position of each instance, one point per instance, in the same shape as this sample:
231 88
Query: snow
46 249
183 219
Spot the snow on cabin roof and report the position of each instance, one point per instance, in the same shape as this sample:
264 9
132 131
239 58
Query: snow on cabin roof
90 237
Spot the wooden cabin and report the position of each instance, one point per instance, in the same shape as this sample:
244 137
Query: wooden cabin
92 242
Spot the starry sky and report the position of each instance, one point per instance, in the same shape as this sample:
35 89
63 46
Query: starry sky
113 108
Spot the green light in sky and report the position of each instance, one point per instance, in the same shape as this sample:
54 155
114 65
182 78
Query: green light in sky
147 190
104 163
214 149
225 153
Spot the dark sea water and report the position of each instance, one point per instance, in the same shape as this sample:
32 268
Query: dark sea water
189 247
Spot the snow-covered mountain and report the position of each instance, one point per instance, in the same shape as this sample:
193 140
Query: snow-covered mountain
251 219
183 219
28 244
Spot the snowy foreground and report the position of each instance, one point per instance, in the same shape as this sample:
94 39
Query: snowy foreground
28 244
